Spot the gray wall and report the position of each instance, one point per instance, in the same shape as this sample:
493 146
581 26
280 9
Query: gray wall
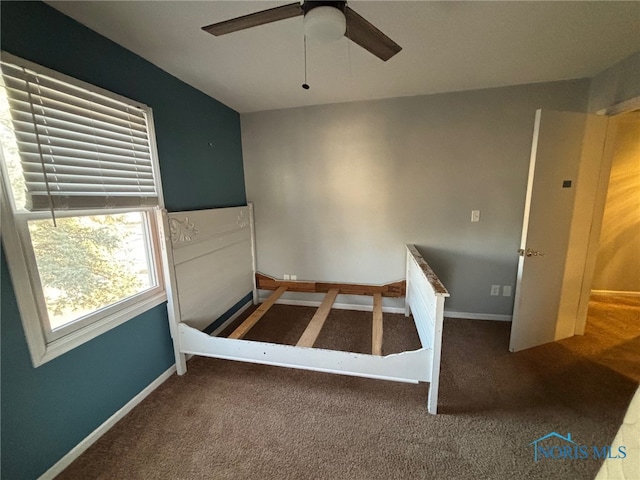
618 264
616 84
339 189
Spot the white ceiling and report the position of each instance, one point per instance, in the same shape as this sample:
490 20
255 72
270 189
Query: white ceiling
447 46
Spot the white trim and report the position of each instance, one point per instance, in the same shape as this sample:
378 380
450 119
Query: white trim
338 306
19 271
90 439
155 159
74 339
231 319
477 316
173 302
599 195
621 107
617 293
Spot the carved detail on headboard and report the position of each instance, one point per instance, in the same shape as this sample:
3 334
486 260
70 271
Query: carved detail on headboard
182 231
243 218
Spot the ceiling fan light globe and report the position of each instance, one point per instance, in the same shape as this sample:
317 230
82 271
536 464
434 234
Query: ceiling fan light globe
325 24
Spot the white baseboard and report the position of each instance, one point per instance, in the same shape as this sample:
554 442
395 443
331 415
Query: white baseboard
477 316
231 319
339 306
90 439
617 293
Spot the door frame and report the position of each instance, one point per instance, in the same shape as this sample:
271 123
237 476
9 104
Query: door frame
600 193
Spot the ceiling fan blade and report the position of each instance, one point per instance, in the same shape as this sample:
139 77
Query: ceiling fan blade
254 19
369 37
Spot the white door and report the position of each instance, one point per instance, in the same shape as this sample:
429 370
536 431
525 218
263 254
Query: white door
555 232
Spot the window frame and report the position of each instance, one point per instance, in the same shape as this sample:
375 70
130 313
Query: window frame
44 343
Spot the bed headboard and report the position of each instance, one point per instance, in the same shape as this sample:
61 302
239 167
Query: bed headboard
210 262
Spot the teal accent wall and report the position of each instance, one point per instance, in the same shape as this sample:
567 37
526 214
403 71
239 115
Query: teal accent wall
46 411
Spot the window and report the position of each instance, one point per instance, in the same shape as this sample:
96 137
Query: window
80 197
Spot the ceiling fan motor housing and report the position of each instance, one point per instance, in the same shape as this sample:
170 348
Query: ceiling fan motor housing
324 21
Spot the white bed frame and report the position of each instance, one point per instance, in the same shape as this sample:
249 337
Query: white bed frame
210 263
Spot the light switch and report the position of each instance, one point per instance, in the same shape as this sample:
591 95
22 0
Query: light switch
475 215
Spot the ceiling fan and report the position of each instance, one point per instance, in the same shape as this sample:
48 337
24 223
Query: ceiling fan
325 18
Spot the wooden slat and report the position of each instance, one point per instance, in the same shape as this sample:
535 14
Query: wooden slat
242 330
395 289
376 343
312 331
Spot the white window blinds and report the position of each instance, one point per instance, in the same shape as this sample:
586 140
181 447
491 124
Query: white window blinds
78 149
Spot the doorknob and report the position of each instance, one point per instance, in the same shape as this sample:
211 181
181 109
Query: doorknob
529 252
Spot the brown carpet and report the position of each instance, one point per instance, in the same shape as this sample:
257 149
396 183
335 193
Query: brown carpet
230 420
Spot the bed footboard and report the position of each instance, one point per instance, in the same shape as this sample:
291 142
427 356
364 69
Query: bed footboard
425 300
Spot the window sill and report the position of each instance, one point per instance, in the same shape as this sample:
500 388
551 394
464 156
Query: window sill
72 340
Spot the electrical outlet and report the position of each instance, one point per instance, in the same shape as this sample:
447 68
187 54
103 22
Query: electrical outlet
475 215
495 290
506 291
294 277
286 276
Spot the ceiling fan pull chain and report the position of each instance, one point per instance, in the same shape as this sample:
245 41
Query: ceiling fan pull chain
305 85
349 58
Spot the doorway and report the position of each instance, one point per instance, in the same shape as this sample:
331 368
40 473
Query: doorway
614 304
617 270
